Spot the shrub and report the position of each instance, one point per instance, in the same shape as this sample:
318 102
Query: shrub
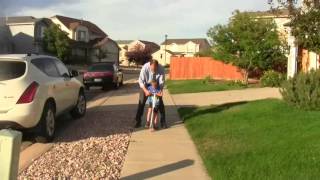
303 90
272 79
237 83
207 79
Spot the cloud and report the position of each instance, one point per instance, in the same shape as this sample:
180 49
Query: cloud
143 19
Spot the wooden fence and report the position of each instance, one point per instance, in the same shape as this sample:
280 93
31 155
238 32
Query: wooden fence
200 67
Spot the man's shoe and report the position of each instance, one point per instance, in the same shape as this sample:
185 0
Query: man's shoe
138 125
164 125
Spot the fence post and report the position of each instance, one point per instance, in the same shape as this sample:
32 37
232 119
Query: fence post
10 142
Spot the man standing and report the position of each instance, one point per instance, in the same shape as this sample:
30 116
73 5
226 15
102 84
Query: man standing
150 71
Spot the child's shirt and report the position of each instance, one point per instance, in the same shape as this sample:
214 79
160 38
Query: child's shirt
153 90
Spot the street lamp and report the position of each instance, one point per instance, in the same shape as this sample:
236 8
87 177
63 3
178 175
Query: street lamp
165 49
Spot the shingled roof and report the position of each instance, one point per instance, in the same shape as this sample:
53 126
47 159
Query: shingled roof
72 23
124 41
18 19
203 42
273 12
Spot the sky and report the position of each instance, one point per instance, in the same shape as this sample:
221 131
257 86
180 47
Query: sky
139 19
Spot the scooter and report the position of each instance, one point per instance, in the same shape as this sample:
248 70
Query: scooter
154 101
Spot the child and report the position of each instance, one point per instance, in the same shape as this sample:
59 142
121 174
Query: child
154 90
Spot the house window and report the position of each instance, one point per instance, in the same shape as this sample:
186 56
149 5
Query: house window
81 35
160 56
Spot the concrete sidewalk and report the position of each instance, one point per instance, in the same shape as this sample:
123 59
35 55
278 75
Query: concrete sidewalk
223 97
165 154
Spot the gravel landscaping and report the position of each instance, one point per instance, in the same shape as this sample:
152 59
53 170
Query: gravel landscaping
93 147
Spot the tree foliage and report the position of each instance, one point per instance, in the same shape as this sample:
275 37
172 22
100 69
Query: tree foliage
101 53
56 42
204 53
291 5
305 24
248 42
306 29
139 54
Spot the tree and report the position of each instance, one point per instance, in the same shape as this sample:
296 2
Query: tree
101 53
204 53
291 4
248 42
56 42
306 29
139 54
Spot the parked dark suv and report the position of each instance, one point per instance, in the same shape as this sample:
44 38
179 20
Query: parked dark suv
104 75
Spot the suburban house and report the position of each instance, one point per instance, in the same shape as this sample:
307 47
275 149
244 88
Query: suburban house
180 48
131 45
163 56
123 44
88 42
22 34
281 17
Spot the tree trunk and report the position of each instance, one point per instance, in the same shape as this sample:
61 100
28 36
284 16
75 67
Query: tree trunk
246 77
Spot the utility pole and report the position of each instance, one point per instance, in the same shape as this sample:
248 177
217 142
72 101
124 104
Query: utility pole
165 49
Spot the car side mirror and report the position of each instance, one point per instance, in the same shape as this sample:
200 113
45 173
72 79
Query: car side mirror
74 73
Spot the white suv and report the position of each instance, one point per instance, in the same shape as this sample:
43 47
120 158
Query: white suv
34 90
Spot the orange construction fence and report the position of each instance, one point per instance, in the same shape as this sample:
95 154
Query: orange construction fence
200 67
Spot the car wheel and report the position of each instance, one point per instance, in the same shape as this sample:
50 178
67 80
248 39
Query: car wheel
105 87
48 122
80 109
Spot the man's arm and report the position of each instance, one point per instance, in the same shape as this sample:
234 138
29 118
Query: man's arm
142 81
162 77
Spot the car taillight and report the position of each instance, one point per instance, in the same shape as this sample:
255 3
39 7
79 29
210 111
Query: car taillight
107 74
29 94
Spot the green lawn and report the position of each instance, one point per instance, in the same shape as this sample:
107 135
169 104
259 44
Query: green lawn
264 139
194 86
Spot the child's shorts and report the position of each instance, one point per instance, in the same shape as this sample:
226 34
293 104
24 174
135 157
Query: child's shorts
149 102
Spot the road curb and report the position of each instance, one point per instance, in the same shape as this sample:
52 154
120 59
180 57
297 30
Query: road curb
30 154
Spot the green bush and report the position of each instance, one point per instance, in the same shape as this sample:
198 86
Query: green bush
272 79
237 83
207 79
303 90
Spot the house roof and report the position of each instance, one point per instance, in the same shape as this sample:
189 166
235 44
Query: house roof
273 12
18 19
124 41
23 19
203 42
100 42
152 45
72 23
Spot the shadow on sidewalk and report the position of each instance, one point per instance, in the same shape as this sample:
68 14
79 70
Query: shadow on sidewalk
160 170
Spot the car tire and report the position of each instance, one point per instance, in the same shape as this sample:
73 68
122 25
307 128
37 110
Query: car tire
47 122
80 109
105 87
